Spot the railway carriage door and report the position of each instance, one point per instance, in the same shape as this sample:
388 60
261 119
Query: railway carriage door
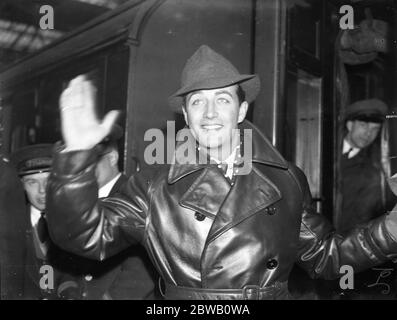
303 111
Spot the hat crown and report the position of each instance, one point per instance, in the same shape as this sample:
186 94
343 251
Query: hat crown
205 64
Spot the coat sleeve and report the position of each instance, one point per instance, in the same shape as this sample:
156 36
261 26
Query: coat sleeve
81 223
322 252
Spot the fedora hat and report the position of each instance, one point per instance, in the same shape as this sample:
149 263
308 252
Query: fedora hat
207 69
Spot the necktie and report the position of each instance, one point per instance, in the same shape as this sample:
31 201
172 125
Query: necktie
42 228
346 154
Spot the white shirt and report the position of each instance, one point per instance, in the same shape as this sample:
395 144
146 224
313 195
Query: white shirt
229 161
105 190
347 147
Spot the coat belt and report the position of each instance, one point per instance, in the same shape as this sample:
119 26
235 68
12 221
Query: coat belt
278 290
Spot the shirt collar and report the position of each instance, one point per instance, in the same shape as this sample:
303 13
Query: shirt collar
229 161
105 190
35 215
347 146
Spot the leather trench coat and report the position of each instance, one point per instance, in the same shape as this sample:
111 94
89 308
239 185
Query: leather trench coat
201 232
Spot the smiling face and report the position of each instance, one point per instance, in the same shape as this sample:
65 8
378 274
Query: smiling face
361 133
35 187
212 115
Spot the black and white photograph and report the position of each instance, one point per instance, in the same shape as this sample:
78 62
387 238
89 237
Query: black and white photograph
234 150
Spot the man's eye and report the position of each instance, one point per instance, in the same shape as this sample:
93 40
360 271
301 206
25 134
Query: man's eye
223 100
196 102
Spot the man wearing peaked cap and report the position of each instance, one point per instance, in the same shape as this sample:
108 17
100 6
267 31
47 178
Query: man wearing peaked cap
363 193
33 164
363 188
212 229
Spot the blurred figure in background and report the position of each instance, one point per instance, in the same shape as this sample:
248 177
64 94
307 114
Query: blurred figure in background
13 226
364 192
128 275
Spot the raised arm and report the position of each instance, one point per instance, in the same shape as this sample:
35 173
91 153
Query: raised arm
82 224
78 221
322 251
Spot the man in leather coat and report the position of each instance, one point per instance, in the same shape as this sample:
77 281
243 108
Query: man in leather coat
213 229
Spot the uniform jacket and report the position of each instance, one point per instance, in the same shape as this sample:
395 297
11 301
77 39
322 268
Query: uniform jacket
59 260
363 190
262 224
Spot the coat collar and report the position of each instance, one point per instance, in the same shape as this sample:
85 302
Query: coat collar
262 152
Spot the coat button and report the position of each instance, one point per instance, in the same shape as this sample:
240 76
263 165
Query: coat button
199 216
88 277
270 210
272 264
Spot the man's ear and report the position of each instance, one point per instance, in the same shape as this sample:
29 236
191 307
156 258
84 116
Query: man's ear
242 112
185 114
113 157
349 125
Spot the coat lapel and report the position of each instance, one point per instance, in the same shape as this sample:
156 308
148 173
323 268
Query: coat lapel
207 193
211 194
250 194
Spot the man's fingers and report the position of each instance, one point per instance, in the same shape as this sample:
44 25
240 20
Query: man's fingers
79 93
77 81
110 120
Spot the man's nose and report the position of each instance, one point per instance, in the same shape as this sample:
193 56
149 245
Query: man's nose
210 111
42 187
369 133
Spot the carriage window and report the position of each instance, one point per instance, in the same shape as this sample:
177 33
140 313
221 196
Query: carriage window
304 127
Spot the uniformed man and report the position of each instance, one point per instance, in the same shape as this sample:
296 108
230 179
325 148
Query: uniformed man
364 192
213 230
33 164
46 265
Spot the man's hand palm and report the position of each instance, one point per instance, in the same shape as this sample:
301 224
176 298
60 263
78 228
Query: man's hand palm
81 129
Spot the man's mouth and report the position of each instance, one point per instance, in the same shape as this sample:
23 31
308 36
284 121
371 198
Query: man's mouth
212 126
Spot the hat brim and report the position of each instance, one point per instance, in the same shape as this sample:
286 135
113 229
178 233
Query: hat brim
33 171
371 117
250 84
